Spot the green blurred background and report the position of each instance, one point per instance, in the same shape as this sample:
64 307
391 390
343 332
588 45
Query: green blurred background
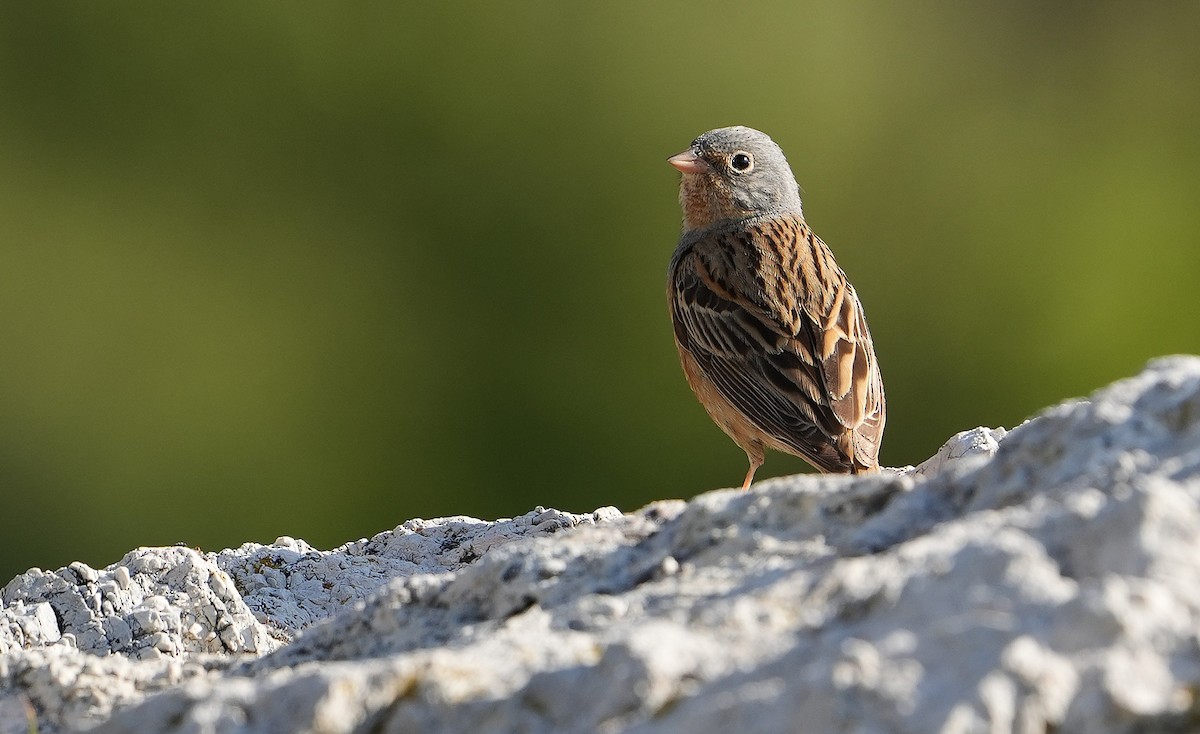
273 268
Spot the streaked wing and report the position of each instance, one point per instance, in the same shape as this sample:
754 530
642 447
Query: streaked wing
852 377
772 322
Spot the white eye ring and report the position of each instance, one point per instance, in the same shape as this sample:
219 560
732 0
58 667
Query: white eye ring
741 161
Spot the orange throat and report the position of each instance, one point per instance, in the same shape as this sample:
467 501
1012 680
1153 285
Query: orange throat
702 203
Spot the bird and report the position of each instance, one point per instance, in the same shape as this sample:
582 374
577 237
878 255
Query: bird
771 334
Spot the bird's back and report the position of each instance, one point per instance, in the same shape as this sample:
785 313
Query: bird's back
768 322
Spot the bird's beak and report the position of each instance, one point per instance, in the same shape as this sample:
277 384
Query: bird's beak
689 162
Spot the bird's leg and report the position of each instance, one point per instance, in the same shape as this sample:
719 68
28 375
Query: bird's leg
755 462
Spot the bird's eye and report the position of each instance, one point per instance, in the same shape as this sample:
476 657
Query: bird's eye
741 162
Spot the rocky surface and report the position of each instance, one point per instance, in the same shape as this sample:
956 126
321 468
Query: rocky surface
1041 579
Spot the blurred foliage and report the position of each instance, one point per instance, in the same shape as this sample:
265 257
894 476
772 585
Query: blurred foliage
314 269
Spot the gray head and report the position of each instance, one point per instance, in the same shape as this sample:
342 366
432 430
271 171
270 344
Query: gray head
732 173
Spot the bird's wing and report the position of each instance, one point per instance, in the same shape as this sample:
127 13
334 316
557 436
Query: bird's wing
772 322
852 380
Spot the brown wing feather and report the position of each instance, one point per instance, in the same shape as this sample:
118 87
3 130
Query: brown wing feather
773 324
852 378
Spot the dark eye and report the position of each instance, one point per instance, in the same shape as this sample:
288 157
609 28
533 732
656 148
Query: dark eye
741 162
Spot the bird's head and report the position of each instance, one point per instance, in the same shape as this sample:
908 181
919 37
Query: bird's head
731 173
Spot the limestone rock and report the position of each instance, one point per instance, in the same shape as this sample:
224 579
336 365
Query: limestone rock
1041 579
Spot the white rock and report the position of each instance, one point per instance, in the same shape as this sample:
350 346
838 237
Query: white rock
162 642
1044 578
83 572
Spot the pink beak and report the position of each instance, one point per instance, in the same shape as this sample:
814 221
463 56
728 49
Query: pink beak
689 162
